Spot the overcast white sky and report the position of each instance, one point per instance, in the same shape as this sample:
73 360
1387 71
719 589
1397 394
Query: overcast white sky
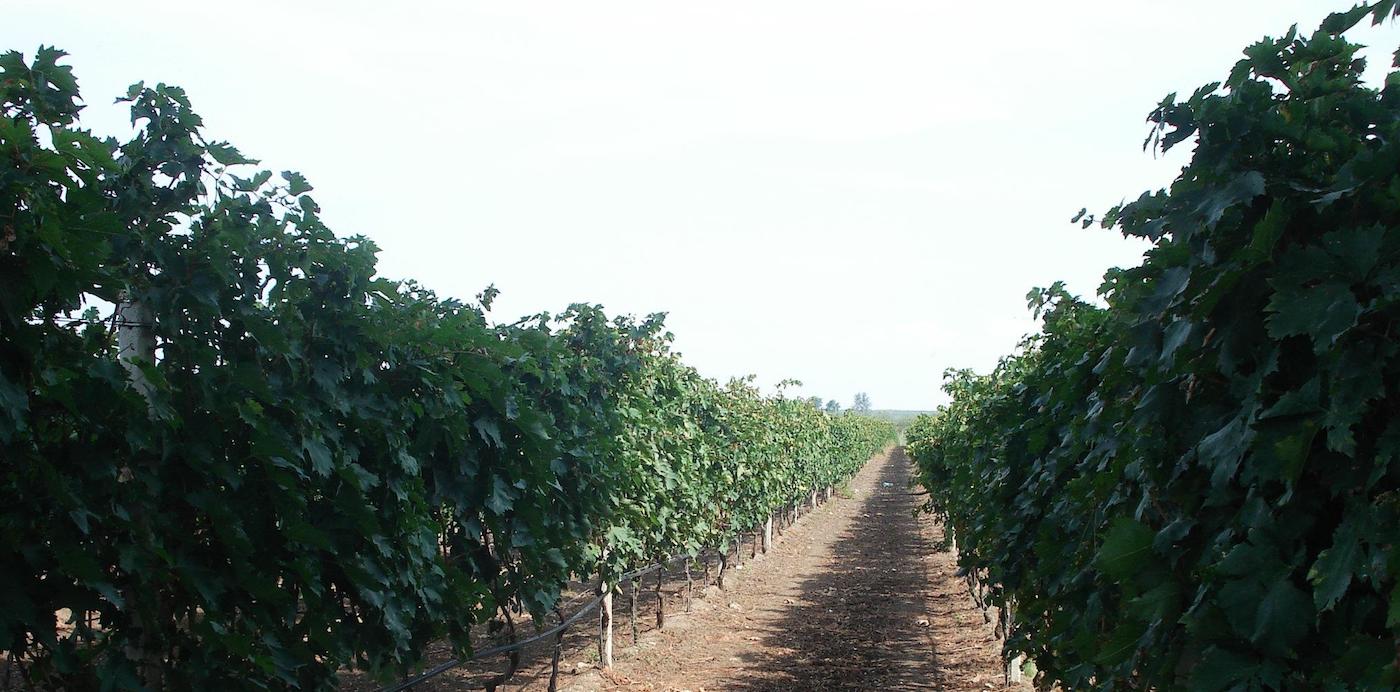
854 194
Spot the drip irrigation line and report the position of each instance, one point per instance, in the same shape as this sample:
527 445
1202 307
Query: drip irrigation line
493 651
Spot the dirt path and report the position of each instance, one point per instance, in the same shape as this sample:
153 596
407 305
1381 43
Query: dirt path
853 597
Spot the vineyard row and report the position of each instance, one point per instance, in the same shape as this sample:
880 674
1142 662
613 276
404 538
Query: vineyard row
1198 485
271 463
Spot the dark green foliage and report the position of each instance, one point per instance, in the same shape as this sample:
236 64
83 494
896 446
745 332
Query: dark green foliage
705 462
332 469
1197 487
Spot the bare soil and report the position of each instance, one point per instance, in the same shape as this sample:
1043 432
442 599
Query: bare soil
854 596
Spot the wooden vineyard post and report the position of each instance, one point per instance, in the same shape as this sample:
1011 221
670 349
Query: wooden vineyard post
634 611
768 534
813 500
660 601
605 621
689 585
605 630
558 651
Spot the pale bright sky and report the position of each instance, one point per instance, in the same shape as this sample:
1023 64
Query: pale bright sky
854 194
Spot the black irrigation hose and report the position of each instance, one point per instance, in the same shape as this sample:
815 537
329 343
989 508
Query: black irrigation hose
493 651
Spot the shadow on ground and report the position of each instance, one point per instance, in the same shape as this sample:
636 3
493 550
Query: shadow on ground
857 623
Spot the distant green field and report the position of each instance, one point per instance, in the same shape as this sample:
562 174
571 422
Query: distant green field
899 418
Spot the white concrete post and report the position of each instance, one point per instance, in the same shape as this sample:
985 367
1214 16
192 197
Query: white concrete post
136 340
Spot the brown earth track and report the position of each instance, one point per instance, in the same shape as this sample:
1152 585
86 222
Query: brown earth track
854 596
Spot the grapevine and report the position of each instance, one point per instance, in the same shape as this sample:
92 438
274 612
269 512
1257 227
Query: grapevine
1195 487
316 467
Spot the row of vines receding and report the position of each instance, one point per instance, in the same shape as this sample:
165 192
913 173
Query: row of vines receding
313 467
1197 486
